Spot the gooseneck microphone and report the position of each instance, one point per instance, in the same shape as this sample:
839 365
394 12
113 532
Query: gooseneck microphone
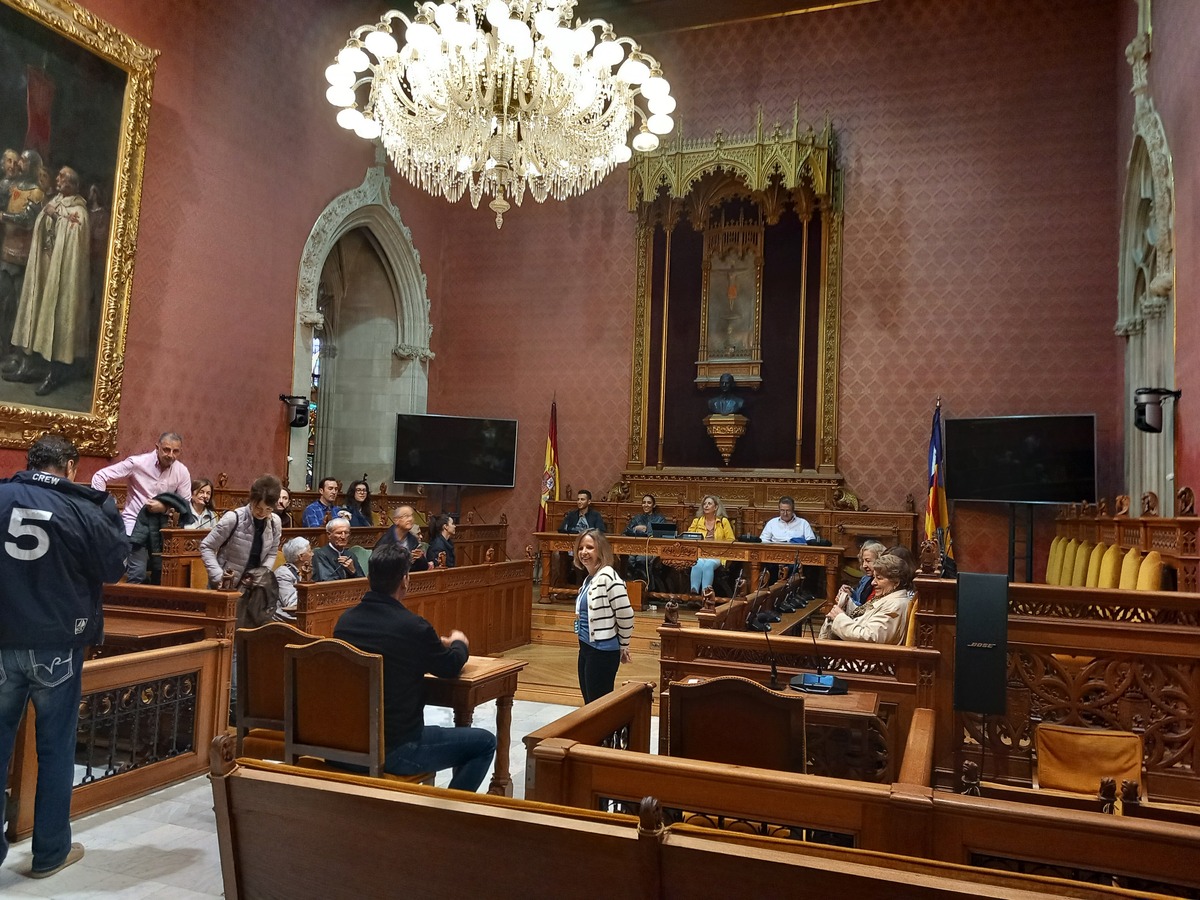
764 625
820 683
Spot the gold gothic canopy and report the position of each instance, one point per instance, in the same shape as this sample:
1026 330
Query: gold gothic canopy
739 271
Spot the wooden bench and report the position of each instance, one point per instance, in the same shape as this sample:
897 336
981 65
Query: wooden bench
451 844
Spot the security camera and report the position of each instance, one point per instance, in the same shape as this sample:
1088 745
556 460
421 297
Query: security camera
297 408
1147 408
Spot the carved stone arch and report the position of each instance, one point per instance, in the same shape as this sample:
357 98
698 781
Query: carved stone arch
1146 280
370 206
367 208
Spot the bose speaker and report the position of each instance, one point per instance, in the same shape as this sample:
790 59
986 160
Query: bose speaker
981 644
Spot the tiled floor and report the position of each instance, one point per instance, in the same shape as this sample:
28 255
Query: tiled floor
165 845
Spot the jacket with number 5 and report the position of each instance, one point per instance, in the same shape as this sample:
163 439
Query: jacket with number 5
62 542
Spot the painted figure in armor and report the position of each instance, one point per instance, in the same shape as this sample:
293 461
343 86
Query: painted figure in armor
20 202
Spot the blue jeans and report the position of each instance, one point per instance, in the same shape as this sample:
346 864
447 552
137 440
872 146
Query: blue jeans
468 751
53 679
702 574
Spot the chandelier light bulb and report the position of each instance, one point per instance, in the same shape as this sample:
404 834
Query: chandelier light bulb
339 75
645 142
497 12
498 99
381 43
660 124
608 52
340 95
353 59
655 86
664 105
633 71
422 37
349 118
367 128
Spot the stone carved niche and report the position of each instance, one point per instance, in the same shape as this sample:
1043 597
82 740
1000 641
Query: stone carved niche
1146 276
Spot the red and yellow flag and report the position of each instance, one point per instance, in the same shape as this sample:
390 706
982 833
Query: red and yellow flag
550 472
937 516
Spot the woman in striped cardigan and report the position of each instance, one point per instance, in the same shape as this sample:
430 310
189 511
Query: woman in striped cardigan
603 616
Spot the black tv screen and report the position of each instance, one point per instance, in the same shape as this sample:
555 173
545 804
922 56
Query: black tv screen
1022 459
456 450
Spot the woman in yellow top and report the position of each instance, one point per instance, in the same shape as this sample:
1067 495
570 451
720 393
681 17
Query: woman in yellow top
713 524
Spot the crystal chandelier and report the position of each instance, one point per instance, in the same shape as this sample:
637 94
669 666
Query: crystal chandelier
500 97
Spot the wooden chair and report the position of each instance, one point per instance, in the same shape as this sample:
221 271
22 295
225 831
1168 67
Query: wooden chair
735 720
258 709
333 709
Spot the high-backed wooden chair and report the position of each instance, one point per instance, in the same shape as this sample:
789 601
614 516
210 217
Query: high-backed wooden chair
735 720
1083 556
1130 564
1068 562
1071 758
1095 561
1110 568
333 709
258 708
1150 572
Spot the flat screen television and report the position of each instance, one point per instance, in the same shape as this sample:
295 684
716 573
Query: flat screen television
455 450
1022 459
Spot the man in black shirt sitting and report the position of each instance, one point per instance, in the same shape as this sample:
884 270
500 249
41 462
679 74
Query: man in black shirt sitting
410 647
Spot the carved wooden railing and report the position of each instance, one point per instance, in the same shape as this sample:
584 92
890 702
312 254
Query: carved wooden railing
492 604
145 721
620 719
903 818
181 565
1077 656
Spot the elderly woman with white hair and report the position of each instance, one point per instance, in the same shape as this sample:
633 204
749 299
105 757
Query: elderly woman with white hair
297 553
881 620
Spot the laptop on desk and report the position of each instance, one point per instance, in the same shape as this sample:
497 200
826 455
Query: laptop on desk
663 529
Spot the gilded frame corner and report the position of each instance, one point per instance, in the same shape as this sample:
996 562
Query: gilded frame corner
66 26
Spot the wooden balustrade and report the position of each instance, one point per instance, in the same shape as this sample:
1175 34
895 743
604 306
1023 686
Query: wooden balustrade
491 604
908 819
181 548
146 721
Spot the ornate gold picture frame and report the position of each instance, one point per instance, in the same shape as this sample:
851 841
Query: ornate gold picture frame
74 111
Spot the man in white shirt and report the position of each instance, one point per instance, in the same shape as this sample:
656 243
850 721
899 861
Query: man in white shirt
784 529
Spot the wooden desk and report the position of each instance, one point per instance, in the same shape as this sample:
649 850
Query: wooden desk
684 553
853 702
482 679
127 633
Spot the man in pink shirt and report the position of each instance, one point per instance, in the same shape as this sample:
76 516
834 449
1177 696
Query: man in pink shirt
147 475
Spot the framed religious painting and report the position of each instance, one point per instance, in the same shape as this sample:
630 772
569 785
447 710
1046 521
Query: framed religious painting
74 110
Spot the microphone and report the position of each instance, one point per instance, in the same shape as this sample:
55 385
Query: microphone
764 625
820 683
788 603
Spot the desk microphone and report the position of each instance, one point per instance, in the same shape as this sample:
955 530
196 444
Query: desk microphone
820 683
763 621
788 603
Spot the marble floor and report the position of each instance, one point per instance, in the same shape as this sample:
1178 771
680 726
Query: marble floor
165 845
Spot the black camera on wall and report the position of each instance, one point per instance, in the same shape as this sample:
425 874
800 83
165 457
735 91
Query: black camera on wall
297 408
1147 408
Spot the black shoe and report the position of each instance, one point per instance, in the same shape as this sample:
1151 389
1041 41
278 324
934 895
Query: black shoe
51 383
28 372
11 360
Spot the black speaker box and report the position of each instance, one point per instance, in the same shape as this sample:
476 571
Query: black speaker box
981 644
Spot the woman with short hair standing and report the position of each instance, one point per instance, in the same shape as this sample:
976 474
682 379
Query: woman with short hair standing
603 616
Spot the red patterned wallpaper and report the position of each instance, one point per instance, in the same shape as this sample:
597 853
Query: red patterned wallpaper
979 255
242 156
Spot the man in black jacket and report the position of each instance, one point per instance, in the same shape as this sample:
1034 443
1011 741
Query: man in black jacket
63 541
581 519
334 561
410 647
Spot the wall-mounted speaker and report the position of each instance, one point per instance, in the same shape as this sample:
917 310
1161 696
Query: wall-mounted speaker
981 644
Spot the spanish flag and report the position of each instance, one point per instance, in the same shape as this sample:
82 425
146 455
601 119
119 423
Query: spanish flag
550 472
937 518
